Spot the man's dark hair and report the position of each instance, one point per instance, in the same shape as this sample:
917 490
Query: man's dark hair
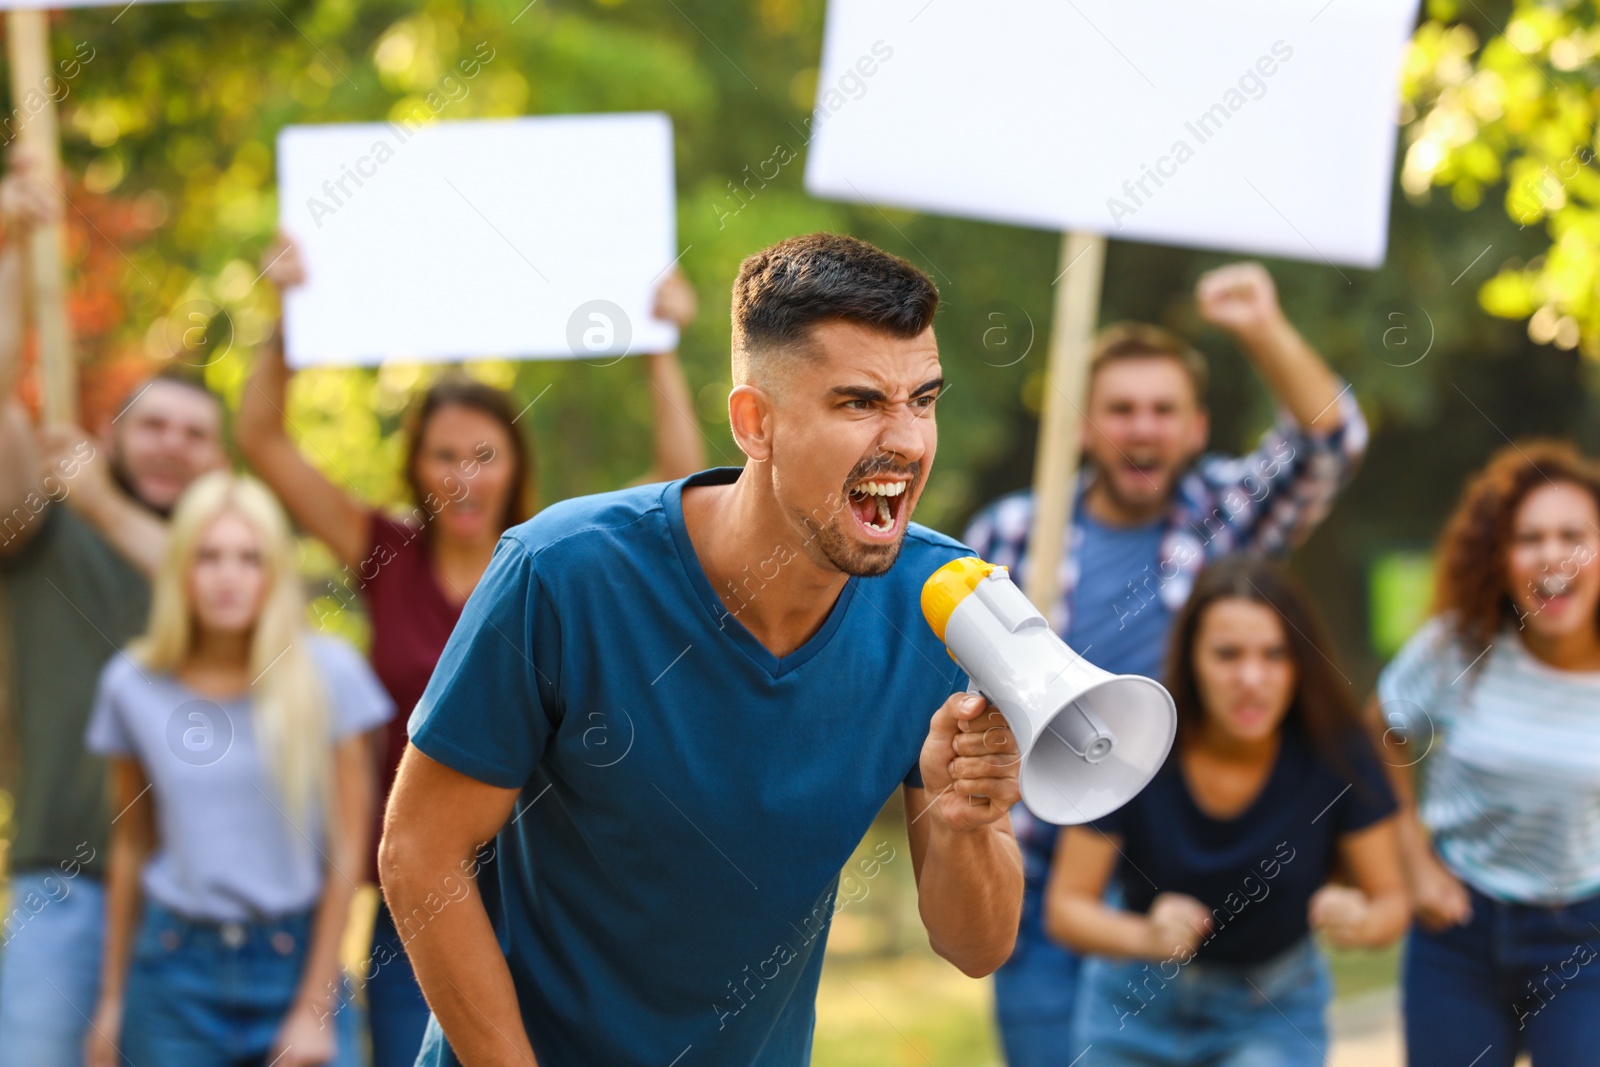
785 290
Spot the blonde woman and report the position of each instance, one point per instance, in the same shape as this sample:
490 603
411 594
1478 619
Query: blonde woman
242 799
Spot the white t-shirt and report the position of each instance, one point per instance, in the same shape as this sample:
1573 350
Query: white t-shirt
226 850
1511 778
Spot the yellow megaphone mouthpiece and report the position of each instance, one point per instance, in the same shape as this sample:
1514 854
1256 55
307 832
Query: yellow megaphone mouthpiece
949 586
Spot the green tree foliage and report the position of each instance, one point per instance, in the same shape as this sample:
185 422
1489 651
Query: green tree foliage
1517 110
170 130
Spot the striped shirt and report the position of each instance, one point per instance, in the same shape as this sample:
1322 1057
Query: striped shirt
1511 784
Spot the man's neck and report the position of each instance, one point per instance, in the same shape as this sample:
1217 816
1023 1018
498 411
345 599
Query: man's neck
757 563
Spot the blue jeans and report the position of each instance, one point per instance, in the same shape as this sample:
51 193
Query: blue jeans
1034 992
49 967
397 1014
1136 1013
1514 978
204 994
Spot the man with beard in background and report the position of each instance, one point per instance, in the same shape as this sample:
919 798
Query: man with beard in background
81 527
677 708
1150 511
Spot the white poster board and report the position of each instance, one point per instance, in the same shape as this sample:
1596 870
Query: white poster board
528 238
1264 126
52 5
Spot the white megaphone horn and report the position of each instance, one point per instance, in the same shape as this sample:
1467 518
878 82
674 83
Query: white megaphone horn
1090 739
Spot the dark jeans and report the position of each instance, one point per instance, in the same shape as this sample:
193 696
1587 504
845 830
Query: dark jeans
1034 994
203 994
1515 978
396 1012
1139 1013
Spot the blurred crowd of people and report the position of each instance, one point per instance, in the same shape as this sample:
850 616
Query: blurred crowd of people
201 774
159 626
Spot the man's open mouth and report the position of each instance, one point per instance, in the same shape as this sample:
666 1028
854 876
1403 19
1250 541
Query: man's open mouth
877 503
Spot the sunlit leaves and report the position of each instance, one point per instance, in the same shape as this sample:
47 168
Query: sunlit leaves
1519 113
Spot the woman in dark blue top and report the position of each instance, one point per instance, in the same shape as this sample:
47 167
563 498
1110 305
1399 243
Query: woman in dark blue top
1223 861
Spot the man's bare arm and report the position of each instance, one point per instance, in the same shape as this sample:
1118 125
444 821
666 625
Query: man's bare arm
76 470
968 867
1242 299
435 822
21 204
21 495
969 884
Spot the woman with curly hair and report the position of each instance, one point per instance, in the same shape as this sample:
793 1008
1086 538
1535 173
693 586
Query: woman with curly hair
1500 691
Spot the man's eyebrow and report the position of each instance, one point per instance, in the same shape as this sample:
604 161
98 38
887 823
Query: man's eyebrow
858 392
867 392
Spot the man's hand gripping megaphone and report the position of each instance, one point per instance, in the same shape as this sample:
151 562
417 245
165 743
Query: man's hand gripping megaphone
970 763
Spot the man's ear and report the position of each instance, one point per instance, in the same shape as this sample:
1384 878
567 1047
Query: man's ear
750 410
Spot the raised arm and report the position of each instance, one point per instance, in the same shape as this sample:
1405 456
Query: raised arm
77 470
1276 495
679 448
1076 915
435 823
23 202
324 510
133 839
1242 300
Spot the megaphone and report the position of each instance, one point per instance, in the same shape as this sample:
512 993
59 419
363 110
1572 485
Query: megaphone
1090 739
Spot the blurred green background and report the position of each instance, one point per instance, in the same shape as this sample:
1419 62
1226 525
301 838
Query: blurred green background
168 134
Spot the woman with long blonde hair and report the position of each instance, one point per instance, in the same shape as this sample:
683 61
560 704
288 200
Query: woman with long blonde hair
230 881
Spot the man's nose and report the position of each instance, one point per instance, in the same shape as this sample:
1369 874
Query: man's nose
903 434
1144 425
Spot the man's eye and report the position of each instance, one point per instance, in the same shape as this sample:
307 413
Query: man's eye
925 402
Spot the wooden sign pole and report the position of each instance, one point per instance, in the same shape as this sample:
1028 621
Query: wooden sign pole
1055 468
28 48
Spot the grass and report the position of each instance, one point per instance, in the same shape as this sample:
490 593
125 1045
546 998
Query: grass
916 1010
912 1011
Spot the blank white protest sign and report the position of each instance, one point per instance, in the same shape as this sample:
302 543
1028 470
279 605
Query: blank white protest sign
52 5
529 237
1263 126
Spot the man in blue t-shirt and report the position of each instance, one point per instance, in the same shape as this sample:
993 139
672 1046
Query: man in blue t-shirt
676 709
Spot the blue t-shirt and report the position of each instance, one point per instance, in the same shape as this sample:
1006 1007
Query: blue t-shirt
1258 870
664 889
1119 622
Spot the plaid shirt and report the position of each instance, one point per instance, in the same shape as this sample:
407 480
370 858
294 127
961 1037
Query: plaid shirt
1265 502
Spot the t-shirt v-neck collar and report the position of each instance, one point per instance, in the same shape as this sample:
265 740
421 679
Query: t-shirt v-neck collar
724 620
